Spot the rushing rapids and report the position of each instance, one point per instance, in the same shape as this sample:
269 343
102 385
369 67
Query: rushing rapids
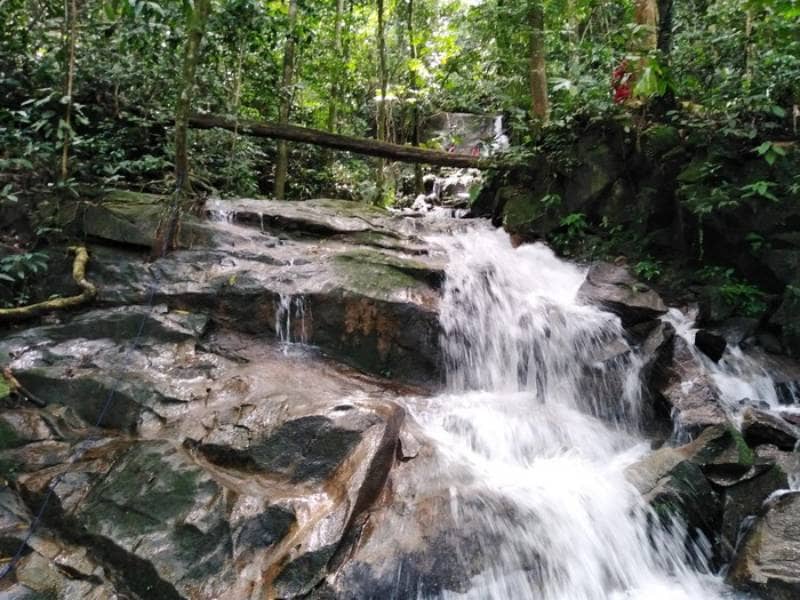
547 425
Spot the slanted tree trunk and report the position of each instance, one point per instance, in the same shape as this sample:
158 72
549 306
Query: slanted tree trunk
282 166
413 83
382 108
540 104
325 139
183 108
70 35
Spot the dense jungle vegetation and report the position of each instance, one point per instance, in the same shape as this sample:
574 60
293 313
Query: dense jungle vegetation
664 130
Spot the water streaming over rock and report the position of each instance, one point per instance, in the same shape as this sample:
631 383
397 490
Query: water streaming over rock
543 411
742 379
290 320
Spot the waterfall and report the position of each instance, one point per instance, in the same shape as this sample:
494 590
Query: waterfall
290 321
542 409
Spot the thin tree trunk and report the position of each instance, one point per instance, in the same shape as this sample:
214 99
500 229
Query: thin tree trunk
237 94
646 15
183 108
419 186
282 165
382 108
540 105
572 18
70 35
333 107
666 9
749 49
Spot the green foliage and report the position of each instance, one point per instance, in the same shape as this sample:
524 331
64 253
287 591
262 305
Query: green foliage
573 228
738 294
648 269
17 271
771 151
653 80
760 189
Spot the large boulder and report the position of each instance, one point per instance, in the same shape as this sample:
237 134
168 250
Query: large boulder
712 485
616 290
346 277
710 344
761 427
254 474
768 561
683 383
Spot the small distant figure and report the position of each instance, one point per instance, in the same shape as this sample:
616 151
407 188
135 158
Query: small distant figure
622 83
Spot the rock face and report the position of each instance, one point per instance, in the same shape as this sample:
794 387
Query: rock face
351 279
686 388
613 288
190 455
710 344
712 485
767 562
230 471
761 427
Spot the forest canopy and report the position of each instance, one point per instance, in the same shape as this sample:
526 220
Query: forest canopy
89 90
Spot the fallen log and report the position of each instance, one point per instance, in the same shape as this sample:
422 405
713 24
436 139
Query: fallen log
22 313
369 147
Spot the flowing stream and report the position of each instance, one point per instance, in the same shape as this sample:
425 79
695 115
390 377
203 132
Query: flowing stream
543 410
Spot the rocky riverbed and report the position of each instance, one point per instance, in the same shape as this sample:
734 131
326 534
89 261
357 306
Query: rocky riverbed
266 434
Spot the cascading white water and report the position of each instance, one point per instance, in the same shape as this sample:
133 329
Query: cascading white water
542 410
741 379
290 321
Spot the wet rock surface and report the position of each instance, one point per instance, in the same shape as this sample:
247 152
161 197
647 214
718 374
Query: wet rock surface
234 473
686 387
767 562
616 290
198 440
186 453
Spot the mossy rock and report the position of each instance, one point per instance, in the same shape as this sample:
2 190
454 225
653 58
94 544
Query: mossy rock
658 140
378 275
415 269
130 218
150 488
8 436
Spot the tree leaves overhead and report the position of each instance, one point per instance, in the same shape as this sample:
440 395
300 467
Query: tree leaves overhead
734 66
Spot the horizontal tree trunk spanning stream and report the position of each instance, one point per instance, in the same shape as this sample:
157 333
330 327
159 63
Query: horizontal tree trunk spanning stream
304 135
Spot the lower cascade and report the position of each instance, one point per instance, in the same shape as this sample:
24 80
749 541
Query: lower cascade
545 426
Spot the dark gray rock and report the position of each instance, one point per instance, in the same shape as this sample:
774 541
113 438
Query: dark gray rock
616 290
710 344
768 560
745 499
683 383
760 427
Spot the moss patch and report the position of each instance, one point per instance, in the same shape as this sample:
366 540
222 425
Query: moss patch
142 494
8 436
375 274
746 455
